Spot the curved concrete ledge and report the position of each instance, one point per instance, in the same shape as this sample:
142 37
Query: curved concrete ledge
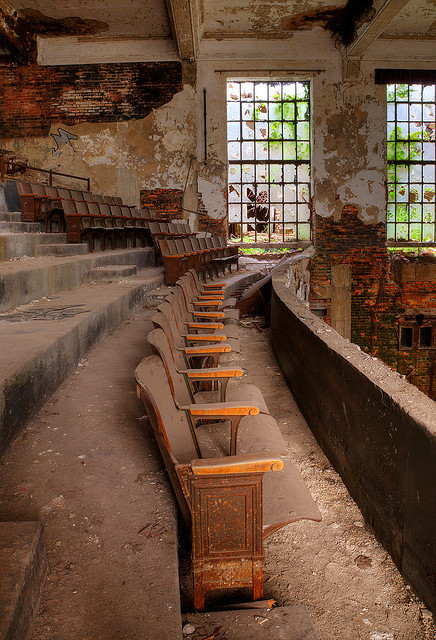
377 430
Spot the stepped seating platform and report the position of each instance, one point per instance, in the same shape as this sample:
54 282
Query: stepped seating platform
43 340
23 560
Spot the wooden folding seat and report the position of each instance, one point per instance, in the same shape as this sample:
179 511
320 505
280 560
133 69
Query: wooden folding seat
108 199
88 196
92 227
110 231
184 229
183 318
35 204
184 381
63 193
193 258
220 256
208 294
230 251
76 194
230 503
97 197
202 286
194 355
118 201
175 245
207 303
174 263
210 308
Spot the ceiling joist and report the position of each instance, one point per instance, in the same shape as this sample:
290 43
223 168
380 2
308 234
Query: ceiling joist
185 25
385 11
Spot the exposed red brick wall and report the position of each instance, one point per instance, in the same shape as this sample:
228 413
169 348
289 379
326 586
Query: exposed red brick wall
206 223
418 364
34 97
166 202
363 246
378 296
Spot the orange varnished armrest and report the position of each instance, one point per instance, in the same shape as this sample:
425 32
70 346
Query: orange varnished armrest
222 410
231 411
208 314
200 337
206 349
244 463
212 372
204 325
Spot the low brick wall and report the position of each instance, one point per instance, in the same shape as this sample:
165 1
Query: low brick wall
378 431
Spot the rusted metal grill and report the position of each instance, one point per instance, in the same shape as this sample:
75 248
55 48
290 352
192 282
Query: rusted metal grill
411 162
268 145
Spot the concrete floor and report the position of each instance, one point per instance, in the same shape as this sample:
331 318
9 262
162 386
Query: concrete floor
87 467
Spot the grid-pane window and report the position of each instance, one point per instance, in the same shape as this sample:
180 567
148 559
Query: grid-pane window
411 162
268 147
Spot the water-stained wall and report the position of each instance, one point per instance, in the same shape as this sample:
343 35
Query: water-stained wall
126 126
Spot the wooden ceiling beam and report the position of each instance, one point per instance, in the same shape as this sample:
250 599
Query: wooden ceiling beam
385 11
184 17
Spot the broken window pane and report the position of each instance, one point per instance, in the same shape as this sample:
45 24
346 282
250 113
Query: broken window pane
411 161
406 337
269 142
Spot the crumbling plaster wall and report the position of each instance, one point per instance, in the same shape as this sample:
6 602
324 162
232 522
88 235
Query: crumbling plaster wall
348 132
121 157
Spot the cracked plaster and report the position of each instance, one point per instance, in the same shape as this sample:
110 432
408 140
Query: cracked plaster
123 157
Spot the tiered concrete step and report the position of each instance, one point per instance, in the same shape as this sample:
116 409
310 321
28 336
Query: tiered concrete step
32 278
10 216
43 341
23 563
71 249
19 227
112 272
90 470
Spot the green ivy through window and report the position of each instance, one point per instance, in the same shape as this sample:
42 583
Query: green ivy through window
411 162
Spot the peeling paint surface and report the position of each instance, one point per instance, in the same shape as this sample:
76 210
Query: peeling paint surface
418 16
250 15
123 157
348 151
135 17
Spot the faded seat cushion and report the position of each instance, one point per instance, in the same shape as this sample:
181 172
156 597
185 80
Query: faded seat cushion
285 495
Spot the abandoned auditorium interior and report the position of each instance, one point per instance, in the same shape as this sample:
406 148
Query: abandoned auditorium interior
217 319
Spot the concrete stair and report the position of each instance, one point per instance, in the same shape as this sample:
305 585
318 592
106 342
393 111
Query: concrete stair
19 227
112 272
23 562
70 249
10 216
63 312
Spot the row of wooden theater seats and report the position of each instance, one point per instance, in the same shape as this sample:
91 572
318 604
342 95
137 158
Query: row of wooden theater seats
181 250
219 446
100 225
38 200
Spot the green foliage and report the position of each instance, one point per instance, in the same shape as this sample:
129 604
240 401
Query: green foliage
404 145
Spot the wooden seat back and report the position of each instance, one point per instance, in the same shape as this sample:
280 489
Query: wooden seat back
161 347
166 419
76 195
93 208
52 192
